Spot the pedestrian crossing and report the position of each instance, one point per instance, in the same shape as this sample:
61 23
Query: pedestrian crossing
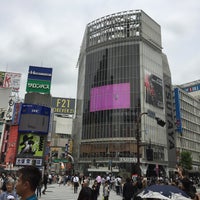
56 192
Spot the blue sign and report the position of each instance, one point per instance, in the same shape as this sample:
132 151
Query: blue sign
39 73
34 119
192 88
35 109
178 111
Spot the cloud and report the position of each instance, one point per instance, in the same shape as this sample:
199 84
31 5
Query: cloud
49 33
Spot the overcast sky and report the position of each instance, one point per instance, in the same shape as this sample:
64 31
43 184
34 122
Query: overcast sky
49 33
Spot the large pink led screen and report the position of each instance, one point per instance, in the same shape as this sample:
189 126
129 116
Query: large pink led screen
108 97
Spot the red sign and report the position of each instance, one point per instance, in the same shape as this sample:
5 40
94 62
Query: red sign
12 145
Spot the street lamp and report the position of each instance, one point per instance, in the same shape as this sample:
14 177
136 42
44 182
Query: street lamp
160 122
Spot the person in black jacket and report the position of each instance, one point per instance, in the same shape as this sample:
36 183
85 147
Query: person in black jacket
95 190
128 190
45 181
86 191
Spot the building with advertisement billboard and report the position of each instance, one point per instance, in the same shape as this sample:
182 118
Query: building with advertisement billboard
187 118
61 136
34 119
193 88
123 75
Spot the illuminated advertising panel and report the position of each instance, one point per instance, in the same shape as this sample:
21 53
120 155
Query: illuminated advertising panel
39 86
108 97
63 105
34 118
10 80
40 73
154 90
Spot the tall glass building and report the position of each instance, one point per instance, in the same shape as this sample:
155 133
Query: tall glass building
124 84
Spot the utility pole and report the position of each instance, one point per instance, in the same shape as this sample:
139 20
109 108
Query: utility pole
138 137
160 122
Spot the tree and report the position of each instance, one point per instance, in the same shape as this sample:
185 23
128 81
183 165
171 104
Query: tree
186 160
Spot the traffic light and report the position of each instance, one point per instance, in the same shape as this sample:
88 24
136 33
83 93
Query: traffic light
160 122
149 153
66 148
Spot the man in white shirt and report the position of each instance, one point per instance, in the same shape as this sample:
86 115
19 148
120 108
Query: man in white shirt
76 183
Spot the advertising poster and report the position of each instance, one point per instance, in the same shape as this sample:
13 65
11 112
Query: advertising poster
16 113
31 145
12 80
12 145
154 90
9 112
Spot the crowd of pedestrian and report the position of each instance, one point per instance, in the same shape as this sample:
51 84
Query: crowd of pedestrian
28 183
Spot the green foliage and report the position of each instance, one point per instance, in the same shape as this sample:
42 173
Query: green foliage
186 160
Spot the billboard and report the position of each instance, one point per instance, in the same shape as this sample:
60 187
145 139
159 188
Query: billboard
16 113
192 88
108 97
39 86
178 111
63 105
31 145
34 118
154 90
40 73
30 149
9 112
10 80
12 145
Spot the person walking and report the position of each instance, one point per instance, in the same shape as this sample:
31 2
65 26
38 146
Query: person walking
29 178
45 181
76 183
39 189
106 191
95 190
86 191
118 185
128 190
